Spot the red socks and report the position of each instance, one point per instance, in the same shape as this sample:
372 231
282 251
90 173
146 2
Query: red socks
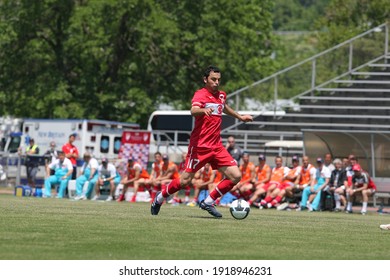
277 200
173 187
223 187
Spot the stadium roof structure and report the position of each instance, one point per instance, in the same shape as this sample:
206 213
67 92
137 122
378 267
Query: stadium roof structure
372 148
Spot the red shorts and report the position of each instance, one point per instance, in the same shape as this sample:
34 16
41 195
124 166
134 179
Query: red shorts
266 186
217 157
285 185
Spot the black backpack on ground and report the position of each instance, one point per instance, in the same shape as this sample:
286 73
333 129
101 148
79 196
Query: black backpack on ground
327 201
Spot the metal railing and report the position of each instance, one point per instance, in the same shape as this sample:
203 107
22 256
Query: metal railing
319 70
167 141
298 80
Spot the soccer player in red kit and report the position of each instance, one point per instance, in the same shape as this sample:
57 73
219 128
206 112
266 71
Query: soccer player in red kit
208 104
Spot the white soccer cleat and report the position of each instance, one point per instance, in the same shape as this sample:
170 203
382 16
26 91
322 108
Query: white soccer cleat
385 227
96 197
109 198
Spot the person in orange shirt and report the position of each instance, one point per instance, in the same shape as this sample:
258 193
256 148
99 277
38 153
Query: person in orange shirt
307 175
152 183
286 189
263 172
134 173
203 180
263 176
288 185
278 175
245 186
169 171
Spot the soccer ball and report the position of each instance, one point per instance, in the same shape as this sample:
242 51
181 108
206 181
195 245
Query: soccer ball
239 209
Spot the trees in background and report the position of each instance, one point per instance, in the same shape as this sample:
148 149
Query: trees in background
118 60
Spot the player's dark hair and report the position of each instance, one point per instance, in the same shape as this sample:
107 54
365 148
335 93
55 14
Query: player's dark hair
209 69
157 153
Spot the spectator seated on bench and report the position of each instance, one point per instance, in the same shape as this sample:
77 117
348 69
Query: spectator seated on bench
62 173
88 174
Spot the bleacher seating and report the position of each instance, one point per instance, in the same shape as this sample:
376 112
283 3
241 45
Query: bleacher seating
360 103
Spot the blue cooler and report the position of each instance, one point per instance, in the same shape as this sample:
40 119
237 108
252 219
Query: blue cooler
203 194
23 191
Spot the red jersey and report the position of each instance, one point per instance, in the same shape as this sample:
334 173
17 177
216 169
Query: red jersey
206 132
71 149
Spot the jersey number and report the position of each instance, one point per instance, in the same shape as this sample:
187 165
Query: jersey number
192 163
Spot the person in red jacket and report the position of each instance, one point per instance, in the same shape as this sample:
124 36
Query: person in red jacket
72 153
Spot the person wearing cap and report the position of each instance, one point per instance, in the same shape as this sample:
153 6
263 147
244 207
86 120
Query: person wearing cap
88 173
362 185
31 162
311 195
336 186
51 155
352 160
262 172
246 186
135 172
107 176
72 153
62 173
262 175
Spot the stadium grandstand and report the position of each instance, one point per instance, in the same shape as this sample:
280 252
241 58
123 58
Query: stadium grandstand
343 98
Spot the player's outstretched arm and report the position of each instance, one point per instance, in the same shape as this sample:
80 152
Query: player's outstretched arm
229 111
197 111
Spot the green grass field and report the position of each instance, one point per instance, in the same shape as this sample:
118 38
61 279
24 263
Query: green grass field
52 229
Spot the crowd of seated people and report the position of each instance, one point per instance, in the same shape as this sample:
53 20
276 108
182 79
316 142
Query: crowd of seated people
324 184
303 184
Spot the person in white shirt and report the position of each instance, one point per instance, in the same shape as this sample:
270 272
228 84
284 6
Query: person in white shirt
311 195
107 175
328 162
88 174
62 173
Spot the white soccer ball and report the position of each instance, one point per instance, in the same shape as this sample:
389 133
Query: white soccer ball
240 209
